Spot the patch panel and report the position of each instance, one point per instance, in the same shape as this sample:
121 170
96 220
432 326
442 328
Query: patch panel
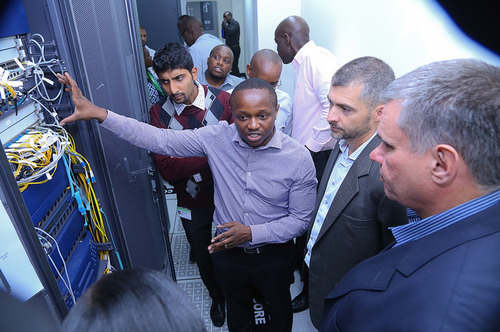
82 269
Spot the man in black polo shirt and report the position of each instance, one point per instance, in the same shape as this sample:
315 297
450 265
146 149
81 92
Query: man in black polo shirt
231 32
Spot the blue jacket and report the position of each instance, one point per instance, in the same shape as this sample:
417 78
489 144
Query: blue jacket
446 281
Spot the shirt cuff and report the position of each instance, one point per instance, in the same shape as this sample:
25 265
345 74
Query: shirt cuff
319 138
259 234
112 121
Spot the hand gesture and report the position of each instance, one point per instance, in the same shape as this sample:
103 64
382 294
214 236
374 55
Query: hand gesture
236 234
84 109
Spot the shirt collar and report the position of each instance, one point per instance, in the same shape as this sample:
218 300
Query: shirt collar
230 81
302 53
421 228
344 147
199 101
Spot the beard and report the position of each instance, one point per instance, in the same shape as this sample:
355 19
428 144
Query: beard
351 133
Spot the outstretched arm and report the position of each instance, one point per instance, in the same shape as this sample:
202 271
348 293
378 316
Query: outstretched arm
84 109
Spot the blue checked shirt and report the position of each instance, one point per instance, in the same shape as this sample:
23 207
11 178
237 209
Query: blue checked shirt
418 229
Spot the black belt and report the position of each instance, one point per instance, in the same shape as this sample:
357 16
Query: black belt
234 45
257 250
261 249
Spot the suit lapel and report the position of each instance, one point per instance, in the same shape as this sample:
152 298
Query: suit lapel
324 180
349 187
376 272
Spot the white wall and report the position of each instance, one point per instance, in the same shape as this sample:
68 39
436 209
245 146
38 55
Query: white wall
250 32
269 15
404 33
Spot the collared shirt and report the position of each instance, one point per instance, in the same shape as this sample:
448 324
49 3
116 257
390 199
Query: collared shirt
198 102
284 117
314 68
200 50
412 215
150 50
342 166
229 83
178 170
417 230
154 95
270 188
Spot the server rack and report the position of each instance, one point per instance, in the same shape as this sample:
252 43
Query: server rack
98 44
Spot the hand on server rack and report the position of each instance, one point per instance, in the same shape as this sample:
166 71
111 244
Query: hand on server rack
84 108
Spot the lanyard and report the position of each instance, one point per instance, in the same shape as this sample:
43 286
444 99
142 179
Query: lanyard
155 83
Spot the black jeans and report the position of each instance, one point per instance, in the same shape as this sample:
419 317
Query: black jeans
235 70
242 275
199 233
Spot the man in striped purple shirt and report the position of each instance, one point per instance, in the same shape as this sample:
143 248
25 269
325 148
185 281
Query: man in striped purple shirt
439 156
265 189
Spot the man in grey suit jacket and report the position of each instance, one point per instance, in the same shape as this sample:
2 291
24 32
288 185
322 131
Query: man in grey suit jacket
352 215
439 156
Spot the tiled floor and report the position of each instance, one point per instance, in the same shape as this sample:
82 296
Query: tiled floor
189 280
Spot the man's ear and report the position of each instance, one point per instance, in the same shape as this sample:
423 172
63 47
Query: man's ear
194 72
276 113
378 112
249 71
445 163
288 39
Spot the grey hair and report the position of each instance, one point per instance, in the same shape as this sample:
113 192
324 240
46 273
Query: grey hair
454 102
373 73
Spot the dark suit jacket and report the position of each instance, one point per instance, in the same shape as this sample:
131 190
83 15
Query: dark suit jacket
355 228
446 281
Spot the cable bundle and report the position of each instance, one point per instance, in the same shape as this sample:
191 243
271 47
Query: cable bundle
34 154
83 177
37 66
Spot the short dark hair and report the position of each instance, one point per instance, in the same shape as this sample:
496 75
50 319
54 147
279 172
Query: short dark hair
373 73
181 20
217 47
255 83
172 56
134 300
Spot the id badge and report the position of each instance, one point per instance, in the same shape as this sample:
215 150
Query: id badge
184 213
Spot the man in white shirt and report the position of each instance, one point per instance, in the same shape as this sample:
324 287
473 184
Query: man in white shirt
267 65
144 40
314 67
200 44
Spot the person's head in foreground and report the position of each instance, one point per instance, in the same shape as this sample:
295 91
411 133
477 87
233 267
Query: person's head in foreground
133 300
